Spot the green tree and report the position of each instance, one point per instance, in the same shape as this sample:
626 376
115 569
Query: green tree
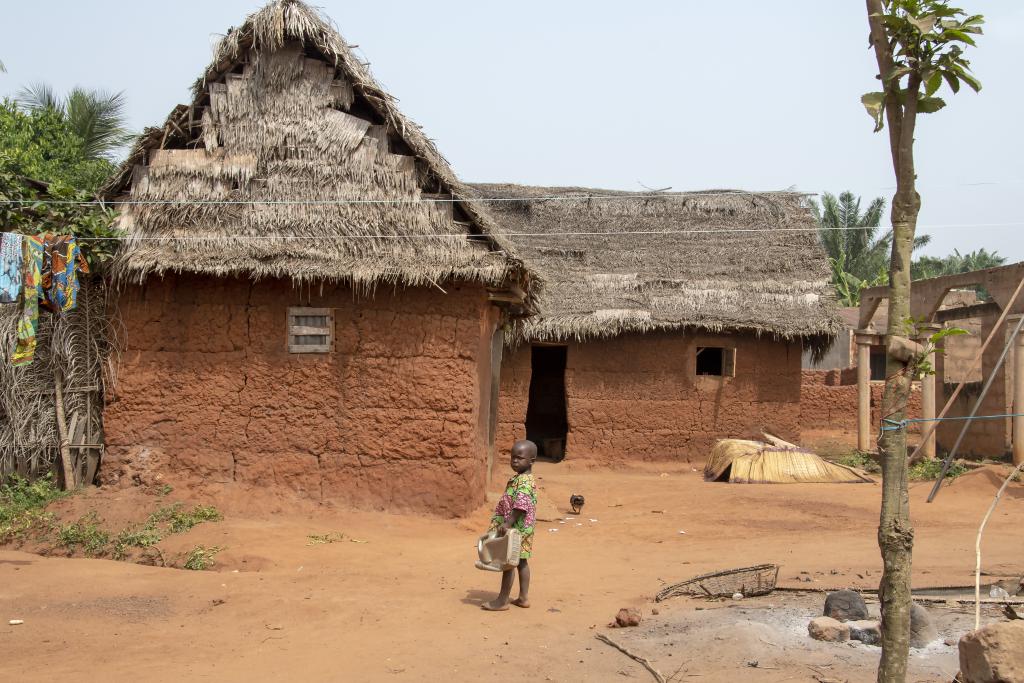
42 146
47 181
844 230
955 263
97 117
918 46
856 252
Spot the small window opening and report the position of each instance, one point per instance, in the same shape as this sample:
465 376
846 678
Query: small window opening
716 361
310 330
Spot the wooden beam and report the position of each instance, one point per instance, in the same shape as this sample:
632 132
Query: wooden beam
973 311
869 300
511 294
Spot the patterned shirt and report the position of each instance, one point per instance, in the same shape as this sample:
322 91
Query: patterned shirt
520 494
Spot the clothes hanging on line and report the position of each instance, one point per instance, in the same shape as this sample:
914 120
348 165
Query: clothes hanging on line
28 324
62 261
49 278
10 267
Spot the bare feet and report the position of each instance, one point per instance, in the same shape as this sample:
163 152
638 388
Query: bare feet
521 602
494 606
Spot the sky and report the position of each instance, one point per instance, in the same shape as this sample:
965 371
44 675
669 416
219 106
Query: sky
647 94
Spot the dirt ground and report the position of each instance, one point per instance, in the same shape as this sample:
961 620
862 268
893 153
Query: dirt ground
404 604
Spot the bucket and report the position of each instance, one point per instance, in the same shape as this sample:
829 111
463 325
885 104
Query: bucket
499 553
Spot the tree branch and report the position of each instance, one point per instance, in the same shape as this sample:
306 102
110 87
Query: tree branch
883 56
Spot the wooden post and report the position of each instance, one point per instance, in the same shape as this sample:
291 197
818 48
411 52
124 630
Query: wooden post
863 391
67 467
925 331
1018 394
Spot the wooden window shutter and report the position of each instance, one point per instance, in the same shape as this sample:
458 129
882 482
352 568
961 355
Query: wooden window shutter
728 362
310 330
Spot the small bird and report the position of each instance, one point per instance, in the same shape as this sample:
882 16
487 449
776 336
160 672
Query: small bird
576 502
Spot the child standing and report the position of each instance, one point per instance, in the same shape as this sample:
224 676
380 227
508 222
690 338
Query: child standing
517 510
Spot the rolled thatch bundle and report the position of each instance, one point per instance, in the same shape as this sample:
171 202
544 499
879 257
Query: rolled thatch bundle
740 461
291 161
75 343
617 262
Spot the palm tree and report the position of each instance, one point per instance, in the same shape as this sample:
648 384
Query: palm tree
930 266
96 116
845 231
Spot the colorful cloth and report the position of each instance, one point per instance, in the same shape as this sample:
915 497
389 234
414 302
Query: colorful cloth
520 494
10 267
28 324
62 260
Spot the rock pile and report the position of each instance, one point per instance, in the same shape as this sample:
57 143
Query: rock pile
846 618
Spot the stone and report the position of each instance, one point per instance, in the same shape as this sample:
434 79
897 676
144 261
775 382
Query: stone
993 654
922 630
999 593
866 631
846 605
828 629
628 616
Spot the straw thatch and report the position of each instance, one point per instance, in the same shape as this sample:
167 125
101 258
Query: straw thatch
615 277
740 461
76 344
285 112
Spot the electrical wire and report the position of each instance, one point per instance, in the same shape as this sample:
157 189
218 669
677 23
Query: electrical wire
517 235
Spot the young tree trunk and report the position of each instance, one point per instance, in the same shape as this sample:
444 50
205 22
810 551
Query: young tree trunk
895 534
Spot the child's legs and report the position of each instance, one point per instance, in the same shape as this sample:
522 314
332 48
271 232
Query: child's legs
524 580
501 602
507 578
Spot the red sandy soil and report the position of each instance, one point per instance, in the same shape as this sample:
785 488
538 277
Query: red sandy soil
404 605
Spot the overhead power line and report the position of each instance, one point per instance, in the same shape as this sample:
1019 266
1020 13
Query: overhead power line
631 233
400 202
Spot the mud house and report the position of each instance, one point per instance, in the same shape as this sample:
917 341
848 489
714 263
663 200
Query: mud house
296 307
667 320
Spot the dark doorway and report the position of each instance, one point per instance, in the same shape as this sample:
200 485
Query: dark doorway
877 359
547 421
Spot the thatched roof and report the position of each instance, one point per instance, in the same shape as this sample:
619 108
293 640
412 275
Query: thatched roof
285 112
720 260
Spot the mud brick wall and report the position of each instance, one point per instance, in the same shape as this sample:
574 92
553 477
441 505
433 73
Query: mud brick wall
637 397
207 393
828 401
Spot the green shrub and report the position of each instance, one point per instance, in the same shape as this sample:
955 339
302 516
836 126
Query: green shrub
929 470
22 503
135 537
858 460
201 557
179 520
85 534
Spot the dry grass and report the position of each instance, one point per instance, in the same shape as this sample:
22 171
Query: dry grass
715 261
76 343
286 112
